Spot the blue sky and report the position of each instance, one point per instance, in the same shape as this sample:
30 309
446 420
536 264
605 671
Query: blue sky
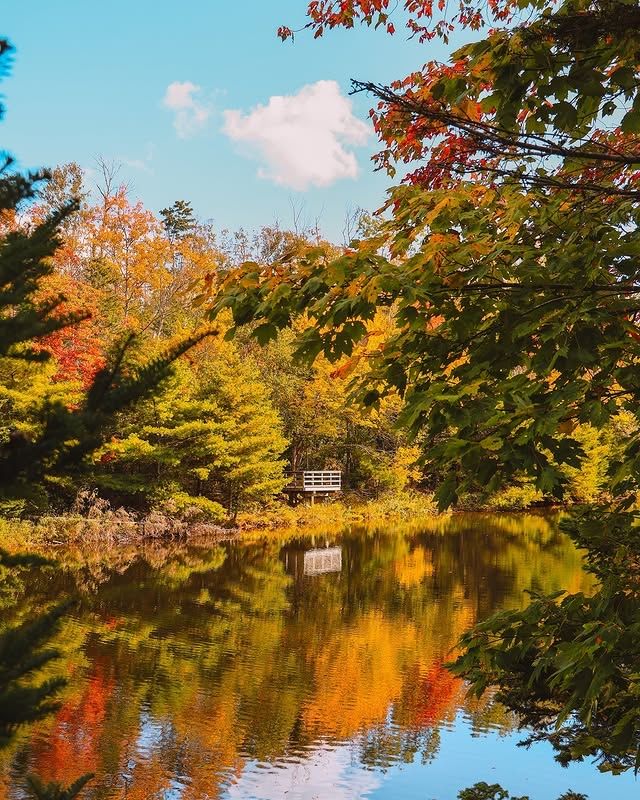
89 80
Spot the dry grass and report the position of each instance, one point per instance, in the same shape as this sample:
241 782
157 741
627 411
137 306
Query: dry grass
339 513
93 524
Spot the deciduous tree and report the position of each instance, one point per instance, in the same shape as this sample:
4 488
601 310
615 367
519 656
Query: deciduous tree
509 258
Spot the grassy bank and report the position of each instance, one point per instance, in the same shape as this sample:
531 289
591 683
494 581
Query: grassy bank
108 526
346 511
111 528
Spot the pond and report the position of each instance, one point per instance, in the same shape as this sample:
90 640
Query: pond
293 666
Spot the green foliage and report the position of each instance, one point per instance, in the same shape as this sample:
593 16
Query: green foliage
21 654
23 265
58 435
393 472
24 651
281 664
326 430
178 219
38 790
568 664
515 498
508 259
484 791
509 264
24 319
193 508
587 483
210 439
498 373
46 434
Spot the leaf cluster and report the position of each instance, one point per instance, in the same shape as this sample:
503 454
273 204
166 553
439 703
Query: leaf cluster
567 664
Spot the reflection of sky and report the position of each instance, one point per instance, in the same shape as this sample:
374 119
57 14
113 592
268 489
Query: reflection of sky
334 774
150 734
463 759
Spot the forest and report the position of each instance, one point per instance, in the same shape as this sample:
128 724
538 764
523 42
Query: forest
237 411
472 344
220 431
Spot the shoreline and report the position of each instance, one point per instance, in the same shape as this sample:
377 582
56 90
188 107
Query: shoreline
121 528
113 527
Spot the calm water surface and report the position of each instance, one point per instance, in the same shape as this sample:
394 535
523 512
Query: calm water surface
306 667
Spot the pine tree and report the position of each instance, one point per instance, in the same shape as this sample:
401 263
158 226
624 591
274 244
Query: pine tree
178 219
65 434
210 440
54 791
24 650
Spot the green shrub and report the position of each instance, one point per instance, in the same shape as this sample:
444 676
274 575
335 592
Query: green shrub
515 498
193 508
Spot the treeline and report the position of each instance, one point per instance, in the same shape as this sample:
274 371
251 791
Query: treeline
218 435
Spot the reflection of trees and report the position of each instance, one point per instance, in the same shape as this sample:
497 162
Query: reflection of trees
187 664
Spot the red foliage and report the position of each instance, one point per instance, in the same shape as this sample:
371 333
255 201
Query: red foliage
74 745
441 114
418 18
437 692
78 353
78 349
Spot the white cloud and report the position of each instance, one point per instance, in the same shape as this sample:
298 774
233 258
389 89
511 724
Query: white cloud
333 773
142 164
300 139
190 114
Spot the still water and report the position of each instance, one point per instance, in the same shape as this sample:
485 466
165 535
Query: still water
293 666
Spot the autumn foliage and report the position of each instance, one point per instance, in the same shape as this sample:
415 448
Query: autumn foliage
79 351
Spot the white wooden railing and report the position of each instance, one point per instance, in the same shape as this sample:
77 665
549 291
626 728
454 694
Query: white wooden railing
315 481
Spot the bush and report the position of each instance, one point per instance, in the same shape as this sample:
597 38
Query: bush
188 507
485 791
515 498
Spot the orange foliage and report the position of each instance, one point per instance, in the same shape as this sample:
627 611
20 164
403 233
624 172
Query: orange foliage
358 673
74 745
414 567
420 18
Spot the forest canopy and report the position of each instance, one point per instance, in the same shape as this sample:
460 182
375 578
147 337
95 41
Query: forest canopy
507 258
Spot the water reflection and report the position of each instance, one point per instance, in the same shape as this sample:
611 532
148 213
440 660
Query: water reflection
280 666
319 562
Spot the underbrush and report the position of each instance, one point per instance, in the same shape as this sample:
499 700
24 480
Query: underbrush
512 498
92 521
515 498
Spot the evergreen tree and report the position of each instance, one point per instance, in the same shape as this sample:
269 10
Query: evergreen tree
54 791
65 434
178 219
211 440
24 650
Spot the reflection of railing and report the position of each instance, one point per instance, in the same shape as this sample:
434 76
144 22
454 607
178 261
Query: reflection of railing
319 481
318 562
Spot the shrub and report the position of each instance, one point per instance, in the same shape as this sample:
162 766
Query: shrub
515 498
